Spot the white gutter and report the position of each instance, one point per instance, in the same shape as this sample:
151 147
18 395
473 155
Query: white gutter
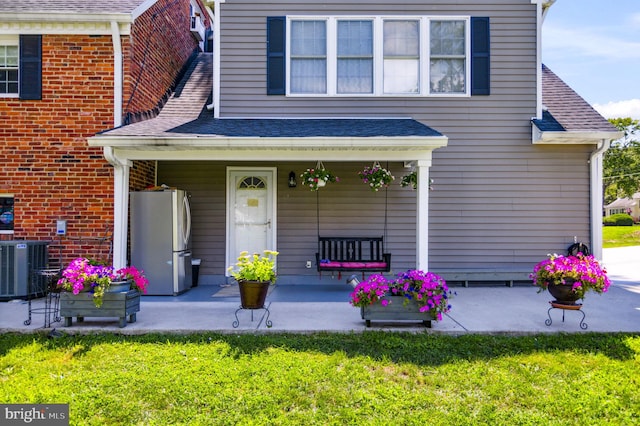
117 74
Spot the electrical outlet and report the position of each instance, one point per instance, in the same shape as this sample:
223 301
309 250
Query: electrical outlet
308 264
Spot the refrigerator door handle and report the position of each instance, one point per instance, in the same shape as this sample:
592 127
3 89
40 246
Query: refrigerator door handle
187 210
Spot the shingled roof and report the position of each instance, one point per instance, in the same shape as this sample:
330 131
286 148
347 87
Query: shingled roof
566 111
69 6
185 115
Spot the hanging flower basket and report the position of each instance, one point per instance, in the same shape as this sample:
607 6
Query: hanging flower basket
411 180
318 177
376 176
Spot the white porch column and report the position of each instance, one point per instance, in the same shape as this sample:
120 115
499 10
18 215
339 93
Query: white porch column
422 210
120 207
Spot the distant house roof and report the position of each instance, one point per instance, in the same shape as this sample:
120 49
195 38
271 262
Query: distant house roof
567 117
621 203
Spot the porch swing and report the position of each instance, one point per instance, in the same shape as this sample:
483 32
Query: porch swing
352 254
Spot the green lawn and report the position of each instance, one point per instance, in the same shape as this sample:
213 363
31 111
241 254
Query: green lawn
620 236
373 378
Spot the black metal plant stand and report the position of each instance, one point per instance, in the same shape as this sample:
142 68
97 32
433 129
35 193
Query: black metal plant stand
566 307
267 322
51 309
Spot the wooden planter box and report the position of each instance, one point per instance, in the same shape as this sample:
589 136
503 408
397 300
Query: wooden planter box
120 304
395 311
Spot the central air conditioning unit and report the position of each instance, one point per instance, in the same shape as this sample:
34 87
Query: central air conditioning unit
18 261
197 28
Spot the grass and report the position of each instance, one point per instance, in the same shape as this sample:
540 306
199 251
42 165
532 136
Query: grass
620 236
373 378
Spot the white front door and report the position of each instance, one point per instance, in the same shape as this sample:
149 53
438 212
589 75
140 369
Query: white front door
250 211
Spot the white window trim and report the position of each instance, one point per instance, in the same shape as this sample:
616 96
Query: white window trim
378 55
11 40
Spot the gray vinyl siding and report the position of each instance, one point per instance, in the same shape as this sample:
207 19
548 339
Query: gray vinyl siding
499 202
346 208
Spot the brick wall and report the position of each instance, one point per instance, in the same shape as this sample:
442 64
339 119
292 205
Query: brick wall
46 162
161 44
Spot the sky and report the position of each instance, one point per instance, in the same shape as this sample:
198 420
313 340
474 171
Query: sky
594 46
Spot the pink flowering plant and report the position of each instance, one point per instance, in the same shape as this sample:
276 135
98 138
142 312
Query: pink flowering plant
428 290
376 176
88 275
370 291
584 273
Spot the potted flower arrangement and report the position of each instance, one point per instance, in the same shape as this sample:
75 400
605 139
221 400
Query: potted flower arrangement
318 177
569 278
88 275
412 295
254 273
376 176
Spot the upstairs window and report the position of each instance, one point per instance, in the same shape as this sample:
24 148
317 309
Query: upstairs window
8 67
355 57
308 57
378 56
448 57
401 56
21 66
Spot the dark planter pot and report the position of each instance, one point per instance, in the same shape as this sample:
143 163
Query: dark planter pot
118 286
563 293
253 294
397 310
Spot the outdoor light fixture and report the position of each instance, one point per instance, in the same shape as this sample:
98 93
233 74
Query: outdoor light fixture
292 180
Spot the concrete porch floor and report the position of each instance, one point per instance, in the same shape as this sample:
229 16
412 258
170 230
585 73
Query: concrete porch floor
511 310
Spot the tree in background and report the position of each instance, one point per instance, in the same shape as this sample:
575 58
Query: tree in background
621 163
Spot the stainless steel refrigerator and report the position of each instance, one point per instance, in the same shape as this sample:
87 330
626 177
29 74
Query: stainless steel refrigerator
161 239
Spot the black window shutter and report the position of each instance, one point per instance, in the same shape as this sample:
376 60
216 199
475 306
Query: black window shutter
480 57
30 67
276 42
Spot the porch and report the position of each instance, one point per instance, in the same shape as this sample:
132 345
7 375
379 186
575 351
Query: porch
301 308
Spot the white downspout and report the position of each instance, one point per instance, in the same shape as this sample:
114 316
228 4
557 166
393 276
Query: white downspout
596 198
117 74
215 89
539 21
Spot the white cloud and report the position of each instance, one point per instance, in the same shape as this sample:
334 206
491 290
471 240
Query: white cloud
620 109
591 42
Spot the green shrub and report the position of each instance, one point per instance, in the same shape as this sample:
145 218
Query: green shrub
620 219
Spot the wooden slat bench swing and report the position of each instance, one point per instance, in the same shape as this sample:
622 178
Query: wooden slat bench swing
352 254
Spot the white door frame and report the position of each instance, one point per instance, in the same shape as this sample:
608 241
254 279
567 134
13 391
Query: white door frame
231 258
